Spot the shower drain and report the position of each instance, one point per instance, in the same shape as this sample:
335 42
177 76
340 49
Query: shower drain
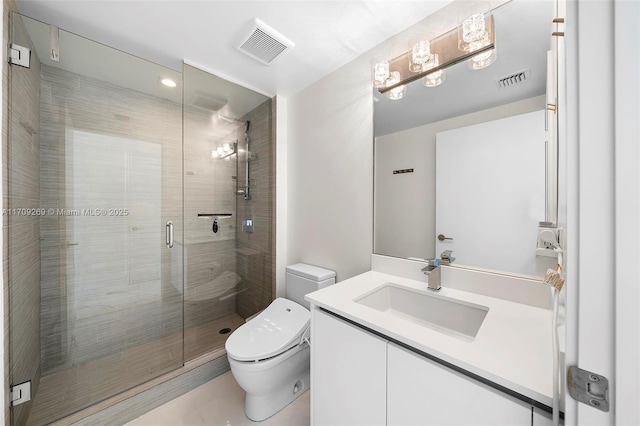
225 330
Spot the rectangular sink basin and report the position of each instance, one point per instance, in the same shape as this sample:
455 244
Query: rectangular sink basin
450 316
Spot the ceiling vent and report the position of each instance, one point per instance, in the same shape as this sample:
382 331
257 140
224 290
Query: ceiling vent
264 44
513 79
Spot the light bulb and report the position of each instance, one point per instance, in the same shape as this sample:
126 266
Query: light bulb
472 32
168 82
434 79
420 55
398 92
214 153
473 27
482 60
226 147
380 73
220 151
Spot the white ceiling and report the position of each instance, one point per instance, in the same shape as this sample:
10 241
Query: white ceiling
327 34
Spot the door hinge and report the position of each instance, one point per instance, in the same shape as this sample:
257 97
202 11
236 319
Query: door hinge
19 55
589 388
19 394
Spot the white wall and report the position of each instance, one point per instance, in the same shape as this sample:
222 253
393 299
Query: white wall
281 194
414 200
330 176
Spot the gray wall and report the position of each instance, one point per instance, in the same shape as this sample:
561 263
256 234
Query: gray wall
22 232
209 187
255 253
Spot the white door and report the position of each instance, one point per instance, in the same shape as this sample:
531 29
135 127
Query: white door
627 130
603 299
490 192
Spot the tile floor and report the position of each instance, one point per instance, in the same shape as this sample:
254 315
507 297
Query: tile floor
219 402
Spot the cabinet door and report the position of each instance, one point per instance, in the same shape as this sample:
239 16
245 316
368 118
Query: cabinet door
422 392
348 373
542 418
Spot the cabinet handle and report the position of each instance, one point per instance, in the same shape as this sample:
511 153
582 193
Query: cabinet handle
441 237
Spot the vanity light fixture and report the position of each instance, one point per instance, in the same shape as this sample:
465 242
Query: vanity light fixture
168 82
472 41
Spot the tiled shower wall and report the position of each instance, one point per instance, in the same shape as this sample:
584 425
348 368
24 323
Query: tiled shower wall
255 250
73 102
210 258
22 232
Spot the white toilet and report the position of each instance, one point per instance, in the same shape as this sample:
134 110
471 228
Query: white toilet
269 355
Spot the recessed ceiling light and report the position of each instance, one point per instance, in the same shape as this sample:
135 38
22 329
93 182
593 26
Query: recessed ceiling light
168 82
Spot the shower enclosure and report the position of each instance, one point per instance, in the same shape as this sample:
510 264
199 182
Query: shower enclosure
112 185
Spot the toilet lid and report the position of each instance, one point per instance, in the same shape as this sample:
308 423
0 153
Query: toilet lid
273 331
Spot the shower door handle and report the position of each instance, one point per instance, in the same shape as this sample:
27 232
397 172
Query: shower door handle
169 229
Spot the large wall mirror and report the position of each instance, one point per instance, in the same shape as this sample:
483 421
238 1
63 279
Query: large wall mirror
464 166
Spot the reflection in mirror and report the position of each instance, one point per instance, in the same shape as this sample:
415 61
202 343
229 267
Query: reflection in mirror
476 151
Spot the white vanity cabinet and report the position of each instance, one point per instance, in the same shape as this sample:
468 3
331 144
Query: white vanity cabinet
348 373
423 392
542 418
359 378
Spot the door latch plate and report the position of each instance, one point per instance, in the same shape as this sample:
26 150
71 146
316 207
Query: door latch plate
589 388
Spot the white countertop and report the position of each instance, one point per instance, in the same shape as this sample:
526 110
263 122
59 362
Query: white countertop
512 348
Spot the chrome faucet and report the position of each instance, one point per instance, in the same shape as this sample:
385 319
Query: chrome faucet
432 270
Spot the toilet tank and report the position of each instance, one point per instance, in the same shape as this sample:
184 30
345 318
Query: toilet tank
302 279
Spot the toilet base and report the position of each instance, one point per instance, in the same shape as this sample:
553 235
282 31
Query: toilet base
259 407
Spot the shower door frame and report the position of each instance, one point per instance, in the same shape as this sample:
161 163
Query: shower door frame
170 181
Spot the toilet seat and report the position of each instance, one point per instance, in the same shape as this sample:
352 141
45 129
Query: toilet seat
272 332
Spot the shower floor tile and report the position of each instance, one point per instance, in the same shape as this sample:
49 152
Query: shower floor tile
205 338
220 402
67 391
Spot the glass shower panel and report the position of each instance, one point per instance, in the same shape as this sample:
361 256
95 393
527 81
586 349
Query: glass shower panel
228 239
95 175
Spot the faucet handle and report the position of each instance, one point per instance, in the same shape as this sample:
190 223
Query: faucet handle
447 259
433 262
431 265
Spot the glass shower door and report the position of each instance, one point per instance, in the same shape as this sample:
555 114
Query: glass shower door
95 177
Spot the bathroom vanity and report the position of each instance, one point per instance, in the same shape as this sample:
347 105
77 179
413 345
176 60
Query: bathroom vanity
483 357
